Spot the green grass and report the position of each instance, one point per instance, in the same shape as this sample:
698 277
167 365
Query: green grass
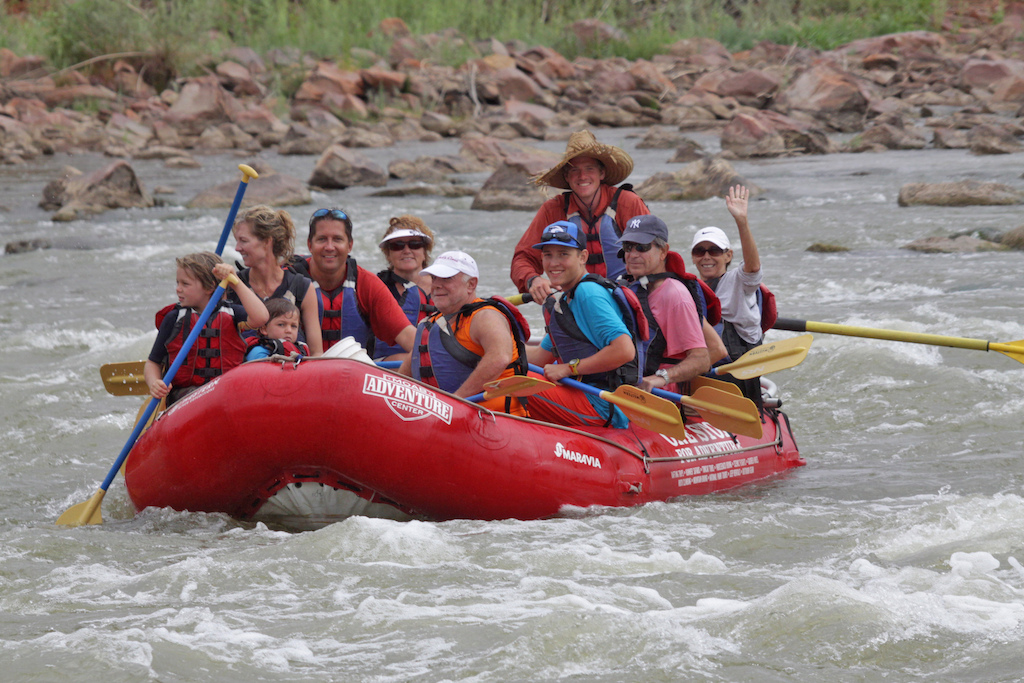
182 37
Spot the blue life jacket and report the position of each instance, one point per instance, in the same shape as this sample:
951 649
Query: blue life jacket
602 236
570 342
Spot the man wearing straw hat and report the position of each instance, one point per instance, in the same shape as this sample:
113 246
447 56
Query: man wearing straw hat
590 171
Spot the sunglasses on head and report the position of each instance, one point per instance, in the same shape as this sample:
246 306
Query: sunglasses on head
399 245
714 251
336 214
633 246
560 236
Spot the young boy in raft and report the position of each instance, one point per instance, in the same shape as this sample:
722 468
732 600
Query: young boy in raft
220 346
280 336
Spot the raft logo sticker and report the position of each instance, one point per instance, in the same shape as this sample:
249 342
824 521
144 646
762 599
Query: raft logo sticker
408 401
565 454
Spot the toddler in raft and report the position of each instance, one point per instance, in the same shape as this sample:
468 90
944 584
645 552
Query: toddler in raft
280 336
219 346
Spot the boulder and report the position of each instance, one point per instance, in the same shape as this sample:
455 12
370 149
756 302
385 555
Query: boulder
361 137
689 150
661 137
302 139
271 188
964 244
768 134
949 138
751 88
1014 239
202 103
339 167
508 189
881 136
494 153
698 180
115 186
238 79
832 96
988 138
432 169
961 193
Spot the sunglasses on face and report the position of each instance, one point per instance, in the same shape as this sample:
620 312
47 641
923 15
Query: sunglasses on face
412 244
336 214
700 251
633 246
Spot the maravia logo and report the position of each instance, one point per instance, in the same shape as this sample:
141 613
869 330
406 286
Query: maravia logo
407 400
565 454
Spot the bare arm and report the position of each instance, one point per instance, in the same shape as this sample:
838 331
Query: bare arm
736 202
619 352
254 308
696 362
406 338
490 330
154 380
311 322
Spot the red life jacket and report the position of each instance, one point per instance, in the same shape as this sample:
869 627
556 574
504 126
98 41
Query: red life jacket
218 348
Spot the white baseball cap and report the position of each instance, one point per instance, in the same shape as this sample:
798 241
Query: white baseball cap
451 262
714 235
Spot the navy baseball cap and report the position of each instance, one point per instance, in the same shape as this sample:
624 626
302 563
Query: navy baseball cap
562 234
644 230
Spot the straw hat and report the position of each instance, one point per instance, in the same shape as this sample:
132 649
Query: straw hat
617 164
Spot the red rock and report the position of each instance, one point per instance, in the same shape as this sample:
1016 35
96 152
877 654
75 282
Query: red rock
201 103
327 77
63 97
513 84
1009 89
701 52
983 73
382 79
648 77
547 61
828 94
238 79
340 104
880 61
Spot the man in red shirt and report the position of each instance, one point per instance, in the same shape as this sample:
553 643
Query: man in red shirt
355 302
590 171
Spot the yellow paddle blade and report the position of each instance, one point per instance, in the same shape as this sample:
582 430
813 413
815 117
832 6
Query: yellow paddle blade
84 513
767 358
647 410
726 411
124 379
1014 349
702 381
517 385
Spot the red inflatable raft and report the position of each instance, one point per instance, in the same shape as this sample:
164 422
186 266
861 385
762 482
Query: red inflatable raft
307 444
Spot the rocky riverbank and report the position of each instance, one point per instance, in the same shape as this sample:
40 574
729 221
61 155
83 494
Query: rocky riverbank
914 90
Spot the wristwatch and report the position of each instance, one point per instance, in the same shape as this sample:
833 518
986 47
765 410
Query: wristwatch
574 367
662 373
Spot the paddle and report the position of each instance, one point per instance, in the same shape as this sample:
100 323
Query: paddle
247 173
721 409
520 299
1014 350
124 379
89 511
647 410
769 357
517 385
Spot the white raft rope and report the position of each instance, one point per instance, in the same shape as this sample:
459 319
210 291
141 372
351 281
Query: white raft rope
351 349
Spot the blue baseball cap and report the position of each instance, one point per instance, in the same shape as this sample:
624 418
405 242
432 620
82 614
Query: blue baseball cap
644 230
562 234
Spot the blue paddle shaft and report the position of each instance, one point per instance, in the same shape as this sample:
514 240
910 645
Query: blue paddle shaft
229 223
171 372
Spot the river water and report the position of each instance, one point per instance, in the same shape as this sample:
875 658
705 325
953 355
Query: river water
897 553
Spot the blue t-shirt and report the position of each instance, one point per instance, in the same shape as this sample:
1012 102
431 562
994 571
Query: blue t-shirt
257 352
601 322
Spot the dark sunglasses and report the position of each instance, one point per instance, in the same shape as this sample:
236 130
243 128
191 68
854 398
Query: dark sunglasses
700 251
633 246
412 244
336 214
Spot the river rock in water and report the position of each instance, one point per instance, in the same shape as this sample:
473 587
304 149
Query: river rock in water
964 244
270 188
509 188
698 180
962 193
115 186
340 167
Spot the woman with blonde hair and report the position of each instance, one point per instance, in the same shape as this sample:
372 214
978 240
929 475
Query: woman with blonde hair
265 239
406 245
